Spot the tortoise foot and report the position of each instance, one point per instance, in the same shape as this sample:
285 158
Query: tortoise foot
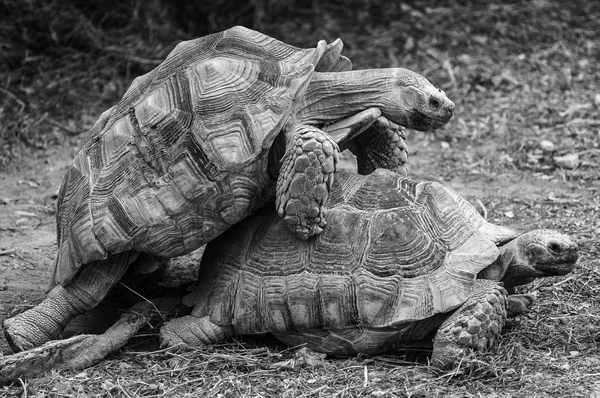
474 326
46 321
39 324
305 180
519 303
194 332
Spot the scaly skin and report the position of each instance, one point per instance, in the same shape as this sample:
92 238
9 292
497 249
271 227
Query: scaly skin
473 326
46 321
192 331
305 180
381 146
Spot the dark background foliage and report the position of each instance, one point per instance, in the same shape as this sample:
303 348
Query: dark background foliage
63 62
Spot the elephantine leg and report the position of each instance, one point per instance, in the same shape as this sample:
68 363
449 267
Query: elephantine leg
382 145
305 179
474 326
376 142
46 321
85 350
192 331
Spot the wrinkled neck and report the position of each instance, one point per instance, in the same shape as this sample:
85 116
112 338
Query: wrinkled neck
497 270
332 96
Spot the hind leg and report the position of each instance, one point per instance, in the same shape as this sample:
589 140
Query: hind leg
47 320
84 350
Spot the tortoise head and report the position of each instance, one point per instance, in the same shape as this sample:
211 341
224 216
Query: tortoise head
410 100
537 254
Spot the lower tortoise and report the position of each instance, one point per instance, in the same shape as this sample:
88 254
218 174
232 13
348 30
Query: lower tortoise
399 261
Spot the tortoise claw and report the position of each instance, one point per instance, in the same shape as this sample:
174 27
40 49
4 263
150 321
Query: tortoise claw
519 303
305 229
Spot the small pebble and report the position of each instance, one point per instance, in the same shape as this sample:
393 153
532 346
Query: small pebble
568 161
546 145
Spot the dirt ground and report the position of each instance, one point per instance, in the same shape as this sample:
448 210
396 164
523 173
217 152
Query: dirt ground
28 229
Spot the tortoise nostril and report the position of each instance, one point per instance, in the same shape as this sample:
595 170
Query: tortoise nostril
434 102
555 247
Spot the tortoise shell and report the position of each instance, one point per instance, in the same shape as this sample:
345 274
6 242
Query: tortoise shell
394 251
183 155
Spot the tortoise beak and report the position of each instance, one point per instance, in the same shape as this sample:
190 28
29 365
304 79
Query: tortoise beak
423 122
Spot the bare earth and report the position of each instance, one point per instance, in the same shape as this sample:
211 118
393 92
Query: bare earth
28 230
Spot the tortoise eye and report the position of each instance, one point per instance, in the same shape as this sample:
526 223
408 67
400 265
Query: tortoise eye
434 102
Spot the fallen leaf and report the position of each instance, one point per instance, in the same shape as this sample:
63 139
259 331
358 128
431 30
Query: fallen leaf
25 213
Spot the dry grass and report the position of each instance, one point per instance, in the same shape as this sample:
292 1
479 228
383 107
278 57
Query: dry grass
520 72
63 63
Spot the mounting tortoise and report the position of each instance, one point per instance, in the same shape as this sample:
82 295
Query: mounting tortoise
399 261
197 144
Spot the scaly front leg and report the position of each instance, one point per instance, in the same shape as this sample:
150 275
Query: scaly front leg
305 179
473 326
376 142
382 145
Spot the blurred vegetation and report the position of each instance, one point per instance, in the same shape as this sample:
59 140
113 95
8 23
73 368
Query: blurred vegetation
63 62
